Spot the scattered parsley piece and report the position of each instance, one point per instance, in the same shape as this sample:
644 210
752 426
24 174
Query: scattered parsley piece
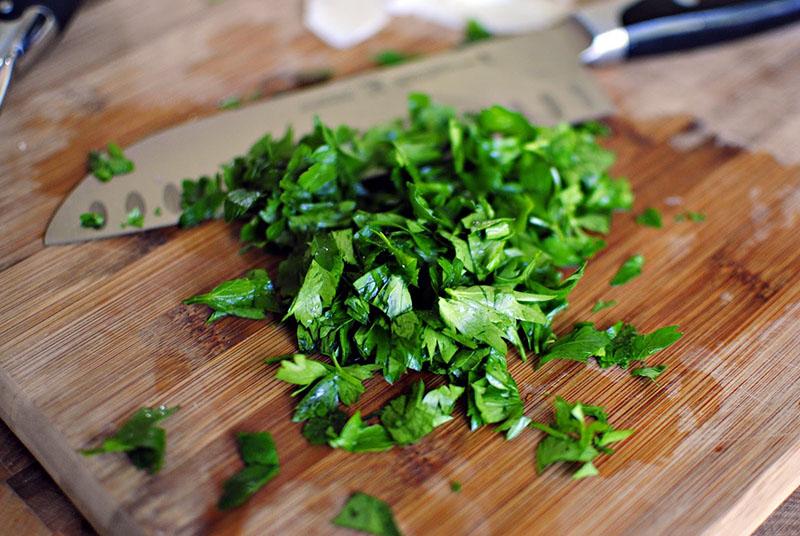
628 345
651 373
579 434
201 200
696 217
252 296
134 218
649 218
392 57
629 269
260 458
601 304
230 103
455 486
106 167
368 514
157 211
140 438
619 345
92 220
475 31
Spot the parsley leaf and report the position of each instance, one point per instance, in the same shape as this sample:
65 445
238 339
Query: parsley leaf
619 345
601 304
368 514
475 31
140 438
696 217
107 166
579 345
629 269
649 218
579 434
455 486
134 218
392 57
93 220
651 373
260 458
252 296
408 418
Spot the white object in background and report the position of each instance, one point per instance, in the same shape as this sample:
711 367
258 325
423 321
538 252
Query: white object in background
344 23
497 16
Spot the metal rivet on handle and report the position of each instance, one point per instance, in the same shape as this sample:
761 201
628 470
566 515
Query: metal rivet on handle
6 7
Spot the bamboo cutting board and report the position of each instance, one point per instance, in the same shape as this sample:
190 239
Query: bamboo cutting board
90 332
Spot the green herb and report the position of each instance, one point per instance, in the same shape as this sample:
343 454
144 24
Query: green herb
475 31
629 269
140 438
455 486
134 218
619 345
432 244
649 218
230 103
651 373
392 57
601 304
107 166
696 217
579 434
252 296
92 220
368 514
260 458
157 211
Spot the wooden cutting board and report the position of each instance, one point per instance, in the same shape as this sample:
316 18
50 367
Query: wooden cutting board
90 332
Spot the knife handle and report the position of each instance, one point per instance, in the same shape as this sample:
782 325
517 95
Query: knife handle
645 10
62 10
709 26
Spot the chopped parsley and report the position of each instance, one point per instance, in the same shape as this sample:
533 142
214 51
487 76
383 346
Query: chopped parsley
579 435
107 166
602 304
651 373
252 296
696 217
619 345
392 57
93 220
649 218
475 31
630 268
455 486
433 244
134 218
230 103
140 438
261 465
369 514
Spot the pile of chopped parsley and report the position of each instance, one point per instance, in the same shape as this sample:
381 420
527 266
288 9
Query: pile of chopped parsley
435 244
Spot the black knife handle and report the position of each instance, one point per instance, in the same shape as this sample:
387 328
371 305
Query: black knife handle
645 10
709 26
63 10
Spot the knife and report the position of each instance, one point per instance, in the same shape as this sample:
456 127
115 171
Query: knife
538 74
27 29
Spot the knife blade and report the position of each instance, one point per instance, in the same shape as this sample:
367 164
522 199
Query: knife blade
538 74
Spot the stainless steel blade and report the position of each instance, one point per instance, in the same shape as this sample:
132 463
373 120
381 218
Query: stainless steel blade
537 74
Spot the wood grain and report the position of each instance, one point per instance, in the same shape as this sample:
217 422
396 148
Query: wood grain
90 332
